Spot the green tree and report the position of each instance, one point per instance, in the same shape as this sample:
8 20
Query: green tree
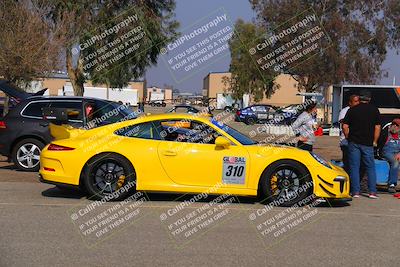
359 32
246 77
88 19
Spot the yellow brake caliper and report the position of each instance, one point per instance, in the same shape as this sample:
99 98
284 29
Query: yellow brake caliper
121 181
274 182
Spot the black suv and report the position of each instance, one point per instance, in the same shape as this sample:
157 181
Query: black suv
24 132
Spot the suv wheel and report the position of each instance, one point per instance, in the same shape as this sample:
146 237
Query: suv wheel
26 154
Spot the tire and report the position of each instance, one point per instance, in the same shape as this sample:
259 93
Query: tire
26 154
281 183
250 121
104 174
164 104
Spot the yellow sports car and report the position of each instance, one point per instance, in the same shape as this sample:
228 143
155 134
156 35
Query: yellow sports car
188 154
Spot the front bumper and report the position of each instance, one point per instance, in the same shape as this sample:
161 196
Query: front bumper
332 183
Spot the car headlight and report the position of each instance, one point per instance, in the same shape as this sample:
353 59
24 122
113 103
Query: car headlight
321 160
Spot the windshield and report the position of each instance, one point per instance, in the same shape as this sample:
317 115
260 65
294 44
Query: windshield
125 111
244 140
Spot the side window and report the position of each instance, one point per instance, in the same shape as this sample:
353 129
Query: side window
187 131
144 130
259 108
100 113
35 109
75 106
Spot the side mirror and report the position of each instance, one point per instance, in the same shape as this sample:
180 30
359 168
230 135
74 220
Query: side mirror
222 142
58 115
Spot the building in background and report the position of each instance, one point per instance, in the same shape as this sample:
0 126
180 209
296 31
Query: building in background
59 84
155 93
214 87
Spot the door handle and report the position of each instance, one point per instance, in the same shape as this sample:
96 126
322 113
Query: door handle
169 153
44 124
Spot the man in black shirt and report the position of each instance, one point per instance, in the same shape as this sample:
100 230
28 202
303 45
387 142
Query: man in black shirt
361 127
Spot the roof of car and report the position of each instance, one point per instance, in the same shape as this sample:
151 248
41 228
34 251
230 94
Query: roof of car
183 106
32 98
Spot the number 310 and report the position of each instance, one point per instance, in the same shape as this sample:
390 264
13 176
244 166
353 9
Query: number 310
235 171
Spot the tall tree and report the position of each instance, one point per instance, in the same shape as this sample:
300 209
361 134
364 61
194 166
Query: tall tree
246 77
29 45
359 33
90 19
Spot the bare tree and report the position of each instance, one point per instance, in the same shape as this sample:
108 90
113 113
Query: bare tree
29 45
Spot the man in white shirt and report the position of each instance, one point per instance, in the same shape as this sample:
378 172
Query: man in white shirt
354 100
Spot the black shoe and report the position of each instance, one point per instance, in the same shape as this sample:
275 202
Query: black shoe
392 189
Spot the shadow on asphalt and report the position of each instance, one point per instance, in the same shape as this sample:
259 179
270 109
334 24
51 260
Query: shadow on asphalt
56 192
61 192
71 193
11 166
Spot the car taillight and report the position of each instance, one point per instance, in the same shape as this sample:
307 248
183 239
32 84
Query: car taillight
54 147
3 125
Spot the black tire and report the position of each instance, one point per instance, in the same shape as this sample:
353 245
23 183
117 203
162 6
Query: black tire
164 104
286 182
228 109
26 154
250 121
109 176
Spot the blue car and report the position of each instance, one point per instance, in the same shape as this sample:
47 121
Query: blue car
255 114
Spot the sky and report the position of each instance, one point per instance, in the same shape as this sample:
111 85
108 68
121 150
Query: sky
191 14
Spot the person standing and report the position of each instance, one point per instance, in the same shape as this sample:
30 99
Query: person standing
354 100
361 127
391 152
304 126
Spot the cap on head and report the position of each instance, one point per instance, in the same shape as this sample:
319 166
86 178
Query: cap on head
365 95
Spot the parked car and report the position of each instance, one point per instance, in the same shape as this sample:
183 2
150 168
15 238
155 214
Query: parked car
255 114
24 132
287 115
158 103
189 109
214 154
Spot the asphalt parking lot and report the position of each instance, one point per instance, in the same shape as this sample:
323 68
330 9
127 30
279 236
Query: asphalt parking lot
38 227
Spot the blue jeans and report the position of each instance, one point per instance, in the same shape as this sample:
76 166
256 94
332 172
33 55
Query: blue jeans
389 151
358 153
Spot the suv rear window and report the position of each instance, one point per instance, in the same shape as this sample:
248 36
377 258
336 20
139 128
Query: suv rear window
35 109
70 105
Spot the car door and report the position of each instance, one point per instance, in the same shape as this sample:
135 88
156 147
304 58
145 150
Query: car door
32 120
139 144
190 157
75 120
261 112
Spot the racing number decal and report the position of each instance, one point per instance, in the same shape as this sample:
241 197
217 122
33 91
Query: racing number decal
233 170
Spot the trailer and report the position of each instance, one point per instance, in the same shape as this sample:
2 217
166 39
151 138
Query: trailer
385 97
124 95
